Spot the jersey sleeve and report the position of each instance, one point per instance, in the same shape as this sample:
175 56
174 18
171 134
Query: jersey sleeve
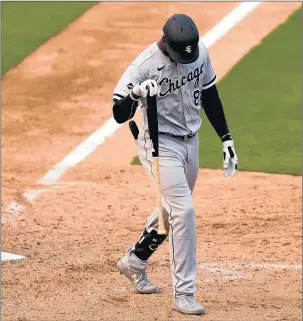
209 78
132 76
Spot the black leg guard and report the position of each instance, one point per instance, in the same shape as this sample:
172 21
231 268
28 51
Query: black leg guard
147 244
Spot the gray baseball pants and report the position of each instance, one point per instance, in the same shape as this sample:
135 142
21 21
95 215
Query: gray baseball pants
178 175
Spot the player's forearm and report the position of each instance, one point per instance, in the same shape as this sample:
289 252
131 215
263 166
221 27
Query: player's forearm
214 110
124 109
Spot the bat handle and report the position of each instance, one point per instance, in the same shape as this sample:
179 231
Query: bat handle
161 226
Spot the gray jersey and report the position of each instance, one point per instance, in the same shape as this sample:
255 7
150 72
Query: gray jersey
181 87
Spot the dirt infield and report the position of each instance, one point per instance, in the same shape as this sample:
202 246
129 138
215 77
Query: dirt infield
73 236
74 233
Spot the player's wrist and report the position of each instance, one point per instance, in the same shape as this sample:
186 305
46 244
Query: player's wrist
226 137
133 96
135 93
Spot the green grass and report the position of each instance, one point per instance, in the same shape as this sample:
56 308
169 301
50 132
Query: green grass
262 99
26 25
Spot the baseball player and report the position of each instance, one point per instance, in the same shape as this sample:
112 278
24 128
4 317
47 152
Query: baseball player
177 69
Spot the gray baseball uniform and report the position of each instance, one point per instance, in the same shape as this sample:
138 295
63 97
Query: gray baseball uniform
179 104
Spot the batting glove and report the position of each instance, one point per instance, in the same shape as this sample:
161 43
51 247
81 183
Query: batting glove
141 90
230 159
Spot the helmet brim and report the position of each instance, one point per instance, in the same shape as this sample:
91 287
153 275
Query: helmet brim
182 59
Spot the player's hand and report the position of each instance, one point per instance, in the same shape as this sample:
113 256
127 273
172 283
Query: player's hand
148 86
230 159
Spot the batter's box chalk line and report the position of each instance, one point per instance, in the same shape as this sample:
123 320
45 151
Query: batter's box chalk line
208 266
220 273
224 275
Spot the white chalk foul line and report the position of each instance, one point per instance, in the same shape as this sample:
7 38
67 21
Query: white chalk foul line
14 208
108 129
228 22
80 152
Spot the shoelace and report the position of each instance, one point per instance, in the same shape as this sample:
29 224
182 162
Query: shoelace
144 278
191 300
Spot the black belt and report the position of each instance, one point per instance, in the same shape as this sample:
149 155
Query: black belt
186 137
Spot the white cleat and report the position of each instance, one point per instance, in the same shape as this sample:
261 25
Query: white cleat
187 304
138 279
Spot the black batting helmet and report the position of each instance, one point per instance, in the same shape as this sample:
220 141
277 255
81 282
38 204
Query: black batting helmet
181 39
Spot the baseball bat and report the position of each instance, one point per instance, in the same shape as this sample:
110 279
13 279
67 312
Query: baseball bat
153 123
161 225
152 118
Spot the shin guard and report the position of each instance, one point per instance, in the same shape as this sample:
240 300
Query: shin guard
147 244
